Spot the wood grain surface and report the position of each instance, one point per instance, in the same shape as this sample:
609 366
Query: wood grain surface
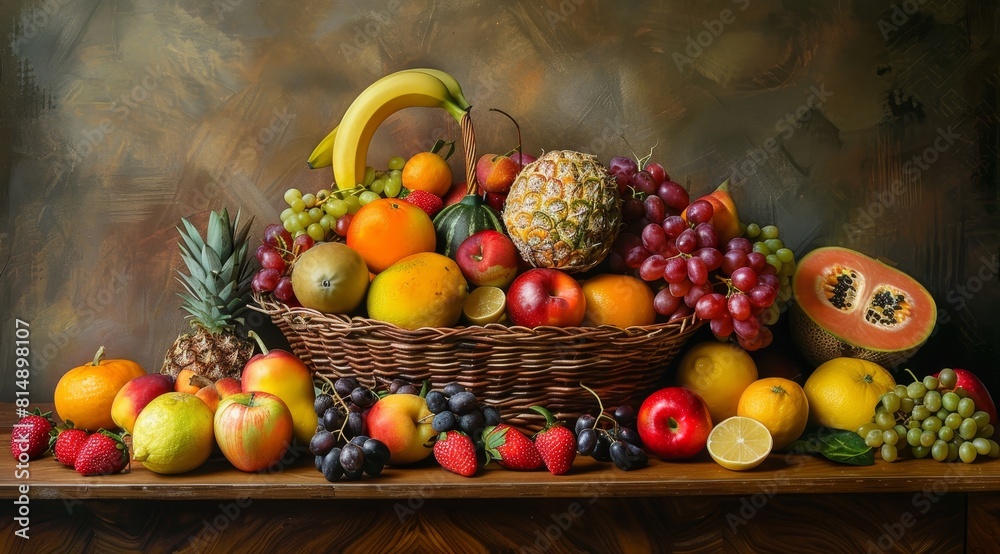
298 479
910 506
836 523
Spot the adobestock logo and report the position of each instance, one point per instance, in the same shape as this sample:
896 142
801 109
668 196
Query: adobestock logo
785 127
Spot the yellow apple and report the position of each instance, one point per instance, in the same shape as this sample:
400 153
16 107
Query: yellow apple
403 423
284 375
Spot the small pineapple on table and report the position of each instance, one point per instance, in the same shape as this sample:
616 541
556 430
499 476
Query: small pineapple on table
217 292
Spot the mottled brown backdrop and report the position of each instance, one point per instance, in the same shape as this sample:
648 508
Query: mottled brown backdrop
866 124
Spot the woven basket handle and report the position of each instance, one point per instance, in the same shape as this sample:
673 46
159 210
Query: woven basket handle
469 142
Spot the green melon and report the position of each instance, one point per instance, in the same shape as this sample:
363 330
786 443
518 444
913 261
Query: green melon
850 305
459 221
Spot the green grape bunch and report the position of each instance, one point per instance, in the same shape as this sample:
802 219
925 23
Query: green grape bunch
930 417
326 214
765 240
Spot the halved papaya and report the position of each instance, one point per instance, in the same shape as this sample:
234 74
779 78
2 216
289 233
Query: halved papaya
850 305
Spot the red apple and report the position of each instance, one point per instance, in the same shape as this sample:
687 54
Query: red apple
977 391
544 296
454 195
403 423
253 430
496 173
134 396
487 257
228 386
284 375
522 159
674 423
496 201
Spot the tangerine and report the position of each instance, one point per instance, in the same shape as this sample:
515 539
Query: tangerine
619 300
427 171
387 230
84 395
780 404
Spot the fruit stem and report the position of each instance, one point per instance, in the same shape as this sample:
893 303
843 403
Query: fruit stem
99 356
260 342
549 418
516 126
591 391
911 374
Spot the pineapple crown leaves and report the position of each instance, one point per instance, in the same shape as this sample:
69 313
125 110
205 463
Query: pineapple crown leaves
217 282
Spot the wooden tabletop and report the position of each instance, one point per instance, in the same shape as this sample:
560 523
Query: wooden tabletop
216 479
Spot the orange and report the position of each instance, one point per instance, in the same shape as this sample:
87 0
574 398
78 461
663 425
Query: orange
719 372
84 395
387 230
619 300
780 404
422 290
843 392
428 172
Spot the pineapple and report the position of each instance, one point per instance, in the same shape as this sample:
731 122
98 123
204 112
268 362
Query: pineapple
217 285
563 211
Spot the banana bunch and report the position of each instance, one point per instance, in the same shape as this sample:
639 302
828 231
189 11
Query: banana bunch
346 146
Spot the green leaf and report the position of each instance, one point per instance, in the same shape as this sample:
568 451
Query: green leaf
838 445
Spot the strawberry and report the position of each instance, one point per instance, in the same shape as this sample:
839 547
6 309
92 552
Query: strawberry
511 448
555 443
430 203
30 435
66 443
104 453
456 452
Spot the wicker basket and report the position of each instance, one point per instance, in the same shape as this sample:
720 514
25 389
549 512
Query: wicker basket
512 368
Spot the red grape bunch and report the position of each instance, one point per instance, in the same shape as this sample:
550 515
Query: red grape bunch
734 287
276 256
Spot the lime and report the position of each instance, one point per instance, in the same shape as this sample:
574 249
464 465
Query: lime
174 433
739 443
484 305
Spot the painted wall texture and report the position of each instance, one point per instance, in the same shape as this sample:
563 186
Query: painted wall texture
866 124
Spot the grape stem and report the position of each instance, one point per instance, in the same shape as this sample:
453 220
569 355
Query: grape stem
641 162
911 374
600 405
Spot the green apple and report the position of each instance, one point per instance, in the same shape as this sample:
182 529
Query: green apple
403 423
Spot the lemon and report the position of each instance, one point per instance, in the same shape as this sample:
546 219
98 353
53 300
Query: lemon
739 443
174 433
719 372
421 290
843 392
484 305
780 404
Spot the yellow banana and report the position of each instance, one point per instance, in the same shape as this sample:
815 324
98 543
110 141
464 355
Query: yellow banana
454 89
322 155
381 99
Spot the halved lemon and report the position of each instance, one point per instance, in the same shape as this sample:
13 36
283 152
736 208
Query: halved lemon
485 305
739 443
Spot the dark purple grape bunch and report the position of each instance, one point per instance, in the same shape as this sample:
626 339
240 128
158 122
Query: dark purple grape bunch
276 255
648 195
457 409
340 445
611 437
